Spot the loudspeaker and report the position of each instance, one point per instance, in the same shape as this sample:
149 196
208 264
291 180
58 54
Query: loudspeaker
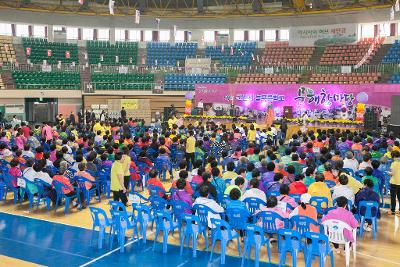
288 112
257 5
200 6
370 120
168 112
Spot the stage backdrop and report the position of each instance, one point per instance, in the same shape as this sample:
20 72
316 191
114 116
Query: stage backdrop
300 96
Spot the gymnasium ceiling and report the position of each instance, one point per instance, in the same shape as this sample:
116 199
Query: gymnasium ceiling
190 8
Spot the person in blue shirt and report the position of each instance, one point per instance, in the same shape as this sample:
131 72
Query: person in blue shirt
235 202
368 194
376 172
218 182
275 185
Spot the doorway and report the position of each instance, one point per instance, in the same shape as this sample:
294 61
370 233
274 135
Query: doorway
40 109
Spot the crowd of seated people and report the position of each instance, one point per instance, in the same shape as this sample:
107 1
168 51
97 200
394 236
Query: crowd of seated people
341 167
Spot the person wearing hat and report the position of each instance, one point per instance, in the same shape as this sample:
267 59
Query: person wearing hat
305 209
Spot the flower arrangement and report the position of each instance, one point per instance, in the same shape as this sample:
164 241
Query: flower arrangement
328 121
207 117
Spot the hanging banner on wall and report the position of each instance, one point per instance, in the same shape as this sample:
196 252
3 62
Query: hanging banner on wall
129 104
323 35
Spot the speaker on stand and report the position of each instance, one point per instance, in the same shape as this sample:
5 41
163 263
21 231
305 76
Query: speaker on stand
370 119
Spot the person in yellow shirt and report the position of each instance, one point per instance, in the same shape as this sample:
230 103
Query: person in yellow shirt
127 164
117 179
354 185
230 174
190 149
320 189
251 134
395 182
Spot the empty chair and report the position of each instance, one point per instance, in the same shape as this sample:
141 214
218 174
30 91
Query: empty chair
317 246
368 210
255 239
121 223
100 221
192 228
224 234
165 224
289 241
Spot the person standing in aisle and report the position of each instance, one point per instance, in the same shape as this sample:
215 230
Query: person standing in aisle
190 149
395 183
117 179
123 114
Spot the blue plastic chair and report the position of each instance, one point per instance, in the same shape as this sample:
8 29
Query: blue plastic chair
224 233
100 221
42 193
302 223
143 216
105 183
60 195
268 221
254 204
155 190
317 245
273 193
165 224
162 166
255 238
289 241
349 205
9 187
179 209
32 198
158 203
330 184
119 206
317 203
81 182
237 218
370 212
121 222
193 227
296 197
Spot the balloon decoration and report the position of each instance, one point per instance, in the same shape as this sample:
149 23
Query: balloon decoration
360 110
188 106
362 97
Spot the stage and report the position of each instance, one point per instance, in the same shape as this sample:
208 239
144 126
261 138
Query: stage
293 128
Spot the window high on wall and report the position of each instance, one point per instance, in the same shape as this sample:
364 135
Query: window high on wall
254 35
148 35
180 36
270 35
72 33
87 34
5 29
119 35
367 30
209 36
384 29
284 35
238 35
39 31
134 35
164 36
103 34
22 30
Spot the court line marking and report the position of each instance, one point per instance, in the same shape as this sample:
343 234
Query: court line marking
378 258
45 220
183 263
51 249
109 253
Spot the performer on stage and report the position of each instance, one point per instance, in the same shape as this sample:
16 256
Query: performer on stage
269 115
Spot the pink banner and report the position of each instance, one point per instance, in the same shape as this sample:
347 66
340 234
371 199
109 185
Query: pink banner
300 96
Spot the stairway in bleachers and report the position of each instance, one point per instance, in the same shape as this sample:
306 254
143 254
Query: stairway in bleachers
20 54
382 51
7 79
85 72
316 57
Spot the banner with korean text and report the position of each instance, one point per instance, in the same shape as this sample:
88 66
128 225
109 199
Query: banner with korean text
323 35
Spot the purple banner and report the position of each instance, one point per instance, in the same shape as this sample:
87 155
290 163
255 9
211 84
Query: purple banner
300 96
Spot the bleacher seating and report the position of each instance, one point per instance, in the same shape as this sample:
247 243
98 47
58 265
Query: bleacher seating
188 81
243 54
345 78
1 83
281 54
120 81
7 52
39 51
393 55
106 53
47 80
395 78
348 54
268 78
165 54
